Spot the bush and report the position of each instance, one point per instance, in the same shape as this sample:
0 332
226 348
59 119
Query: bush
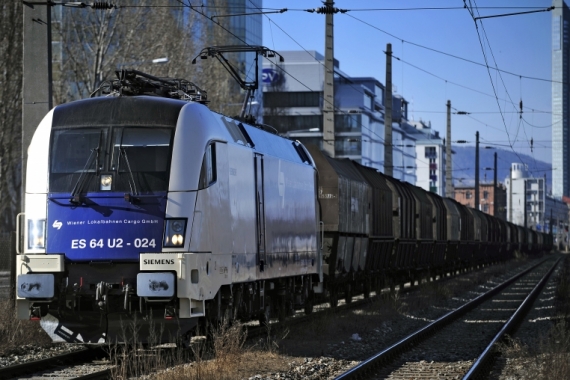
15 333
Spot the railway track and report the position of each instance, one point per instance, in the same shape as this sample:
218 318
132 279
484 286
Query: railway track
85 364
79 366
460 343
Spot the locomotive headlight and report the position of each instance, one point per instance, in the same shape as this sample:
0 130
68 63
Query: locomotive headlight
174 231
36 233
106 182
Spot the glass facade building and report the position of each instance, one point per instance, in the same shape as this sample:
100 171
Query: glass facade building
560 105
293 103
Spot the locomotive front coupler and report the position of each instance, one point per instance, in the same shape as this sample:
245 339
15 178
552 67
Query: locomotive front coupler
101 294
128 292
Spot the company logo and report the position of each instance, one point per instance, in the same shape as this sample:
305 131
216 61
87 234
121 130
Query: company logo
57 224
270 76
158 262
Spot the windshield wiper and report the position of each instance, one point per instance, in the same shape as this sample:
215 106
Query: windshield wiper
132 183
133 186
76 192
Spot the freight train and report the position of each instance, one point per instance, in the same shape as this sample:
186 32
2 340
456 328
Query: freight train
146 207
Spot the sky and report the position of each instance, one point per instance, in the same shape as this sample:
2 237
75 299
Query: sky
432 49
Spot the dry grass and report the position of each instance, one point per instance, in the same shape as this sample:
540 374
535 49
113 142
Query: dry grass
222 356
135 359
548 359
563 290
15 333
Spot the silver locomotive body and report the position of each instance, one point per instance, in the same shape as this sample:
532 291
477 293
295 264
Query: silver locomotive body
163 213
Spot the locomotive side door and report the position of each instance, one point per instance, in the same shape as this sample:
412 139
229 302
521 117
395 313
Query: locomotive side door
260 211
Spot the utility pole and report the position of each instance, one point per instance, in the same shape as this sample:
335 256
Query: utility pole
476 171
448 178
495 190
328 91
388 159
511 194
551 233
37 81
525 213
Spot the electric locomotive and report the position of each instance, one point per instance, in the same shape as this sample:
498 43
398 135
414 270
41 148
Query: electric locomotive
156 211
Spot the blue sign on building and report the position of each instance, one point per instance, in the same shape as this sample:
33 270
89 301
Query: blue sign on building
270 76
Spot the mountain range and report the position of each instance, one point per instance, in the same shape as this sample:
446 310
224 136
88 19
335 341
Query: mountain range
463 168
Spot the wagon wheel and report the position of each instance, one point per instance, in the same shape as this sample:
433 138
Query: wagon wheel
378 285
333 298
348 293
366 288
265 314
282 308
309 303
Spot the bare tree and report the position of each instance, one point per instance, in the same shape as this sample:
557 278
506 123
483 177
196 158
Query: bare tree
89 45
95 43
10 112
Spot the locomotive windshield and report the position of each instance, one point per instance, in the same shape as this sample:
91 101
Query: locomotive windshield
136 159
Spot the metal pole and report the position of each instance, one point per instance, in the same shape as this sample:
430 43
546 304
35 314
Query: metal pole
495 187
37 76
448 178
511 194
524 203
477 170
328 90
388 160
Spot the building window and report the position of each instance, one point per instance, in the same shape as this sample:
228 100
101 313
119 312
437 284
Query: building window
348 147
430 152
485 208
349 123
485 194
468 195
291 99
284 123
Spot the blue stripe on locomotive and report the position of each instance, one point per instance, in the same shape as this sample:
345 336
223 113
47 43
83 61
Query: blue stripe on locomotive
105 227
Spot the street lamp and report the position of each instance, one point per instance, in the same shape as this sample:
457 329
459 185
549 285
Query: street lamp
138 63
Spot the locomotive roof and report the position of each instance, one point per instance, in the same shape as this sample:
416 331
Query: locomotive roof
134 111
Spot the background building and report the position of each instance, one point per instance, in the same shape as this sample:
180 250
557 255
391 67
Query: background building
528 202
560 101
292 98
430 157
492 200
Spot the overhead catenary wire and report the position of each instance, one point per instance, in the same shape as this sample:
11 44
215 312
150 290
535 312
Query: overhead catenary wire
284 71
271 22
471 12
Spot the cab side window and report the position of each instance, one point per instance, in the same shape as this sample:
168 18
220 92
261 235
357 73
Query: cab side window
208 171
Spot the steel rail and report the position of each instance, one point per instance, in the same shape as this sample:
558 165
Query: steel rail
30 367
422 333
521 311
101 375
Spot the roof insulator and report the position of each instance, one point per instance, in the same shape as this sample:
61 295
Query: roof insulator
327 10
